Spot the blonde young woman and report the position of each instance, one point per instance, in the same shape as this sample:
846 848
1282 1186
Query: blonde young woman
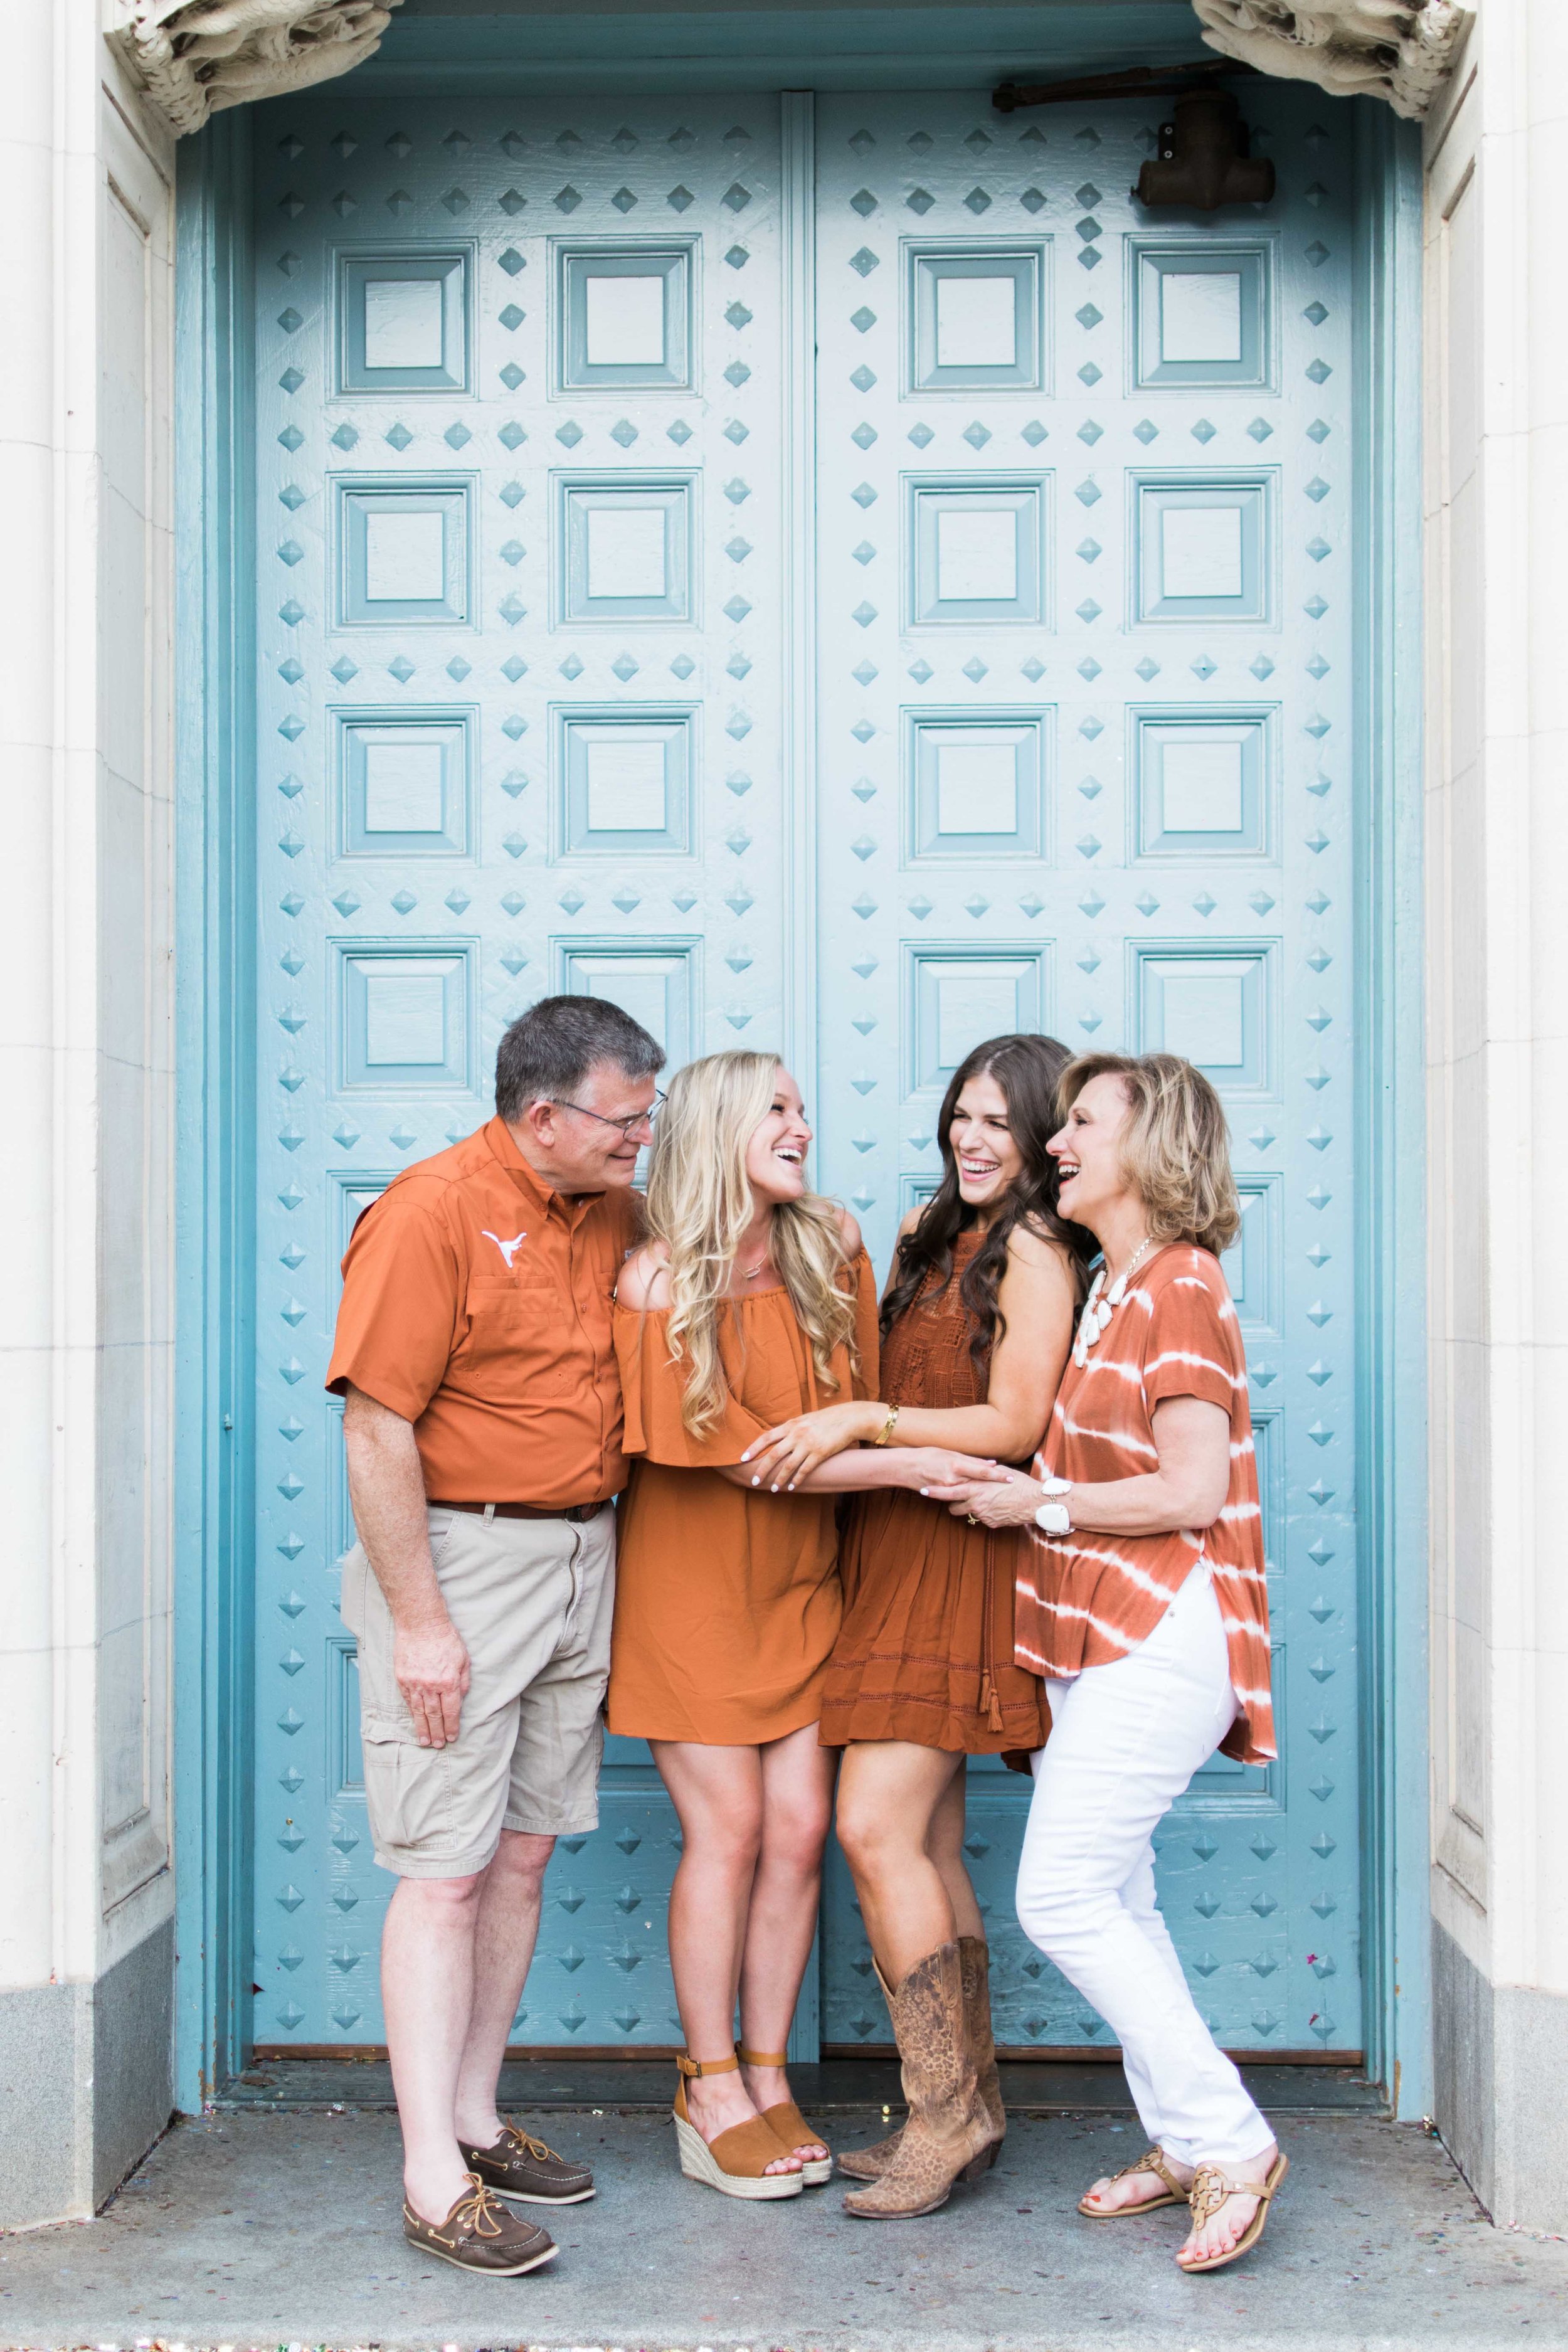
1146 1611
751 1302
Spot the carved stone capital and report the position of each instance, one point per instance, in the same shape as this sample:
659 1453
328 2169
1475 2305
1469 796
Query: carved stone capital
196 56
1401 50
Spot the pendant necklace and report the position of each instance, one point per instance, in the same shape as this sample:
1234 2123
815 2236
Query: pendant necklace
1097 1310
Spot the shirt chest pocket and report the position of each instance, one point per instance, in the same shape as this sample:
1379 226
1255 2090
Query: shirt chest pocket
516 1326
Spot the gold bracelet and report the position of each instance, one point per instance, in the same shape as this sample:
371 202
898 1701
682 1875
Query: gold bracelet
888 1426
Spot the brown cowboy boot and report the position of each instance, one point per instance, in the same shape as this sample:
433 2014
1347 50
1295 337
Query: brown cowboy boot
948 2131
975 1964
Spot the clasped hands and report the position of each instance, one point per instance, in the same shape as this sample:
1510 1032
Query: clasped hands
973 1488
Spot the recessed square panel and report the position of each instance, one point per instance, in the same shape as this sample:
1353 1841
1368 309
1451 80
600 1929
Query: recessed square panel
974 317
623 317
1201 786
1202 782
402 553
624 782
1203 547
1200 317
977 551
628 552
1200 551
973 786
405 783
403 321
405 1018
346 1757
354 1195
976 555
654 980
624 550
1252 1262
1204 314
956 999
1213 1006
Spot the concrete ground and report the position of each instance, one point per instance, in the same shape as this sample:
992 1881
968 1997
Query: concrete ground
255 2229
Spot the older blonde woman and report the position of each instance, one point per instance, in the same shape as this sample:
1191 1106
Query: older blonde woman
1145 1609
751 1302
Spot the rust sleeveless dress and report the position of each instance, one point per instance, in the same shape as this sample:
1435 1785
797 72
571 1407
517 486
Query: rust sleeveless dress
925 1649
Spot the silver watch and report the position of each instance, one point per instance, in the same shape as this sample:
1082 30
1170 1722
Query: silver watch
1054 1518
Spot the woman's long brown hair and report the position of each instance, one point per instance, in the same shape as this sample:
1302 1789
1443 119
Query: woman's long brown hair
1027 1069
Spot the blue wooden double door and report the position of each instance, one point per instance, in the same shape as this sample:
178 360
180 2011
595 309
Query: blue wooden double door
838 574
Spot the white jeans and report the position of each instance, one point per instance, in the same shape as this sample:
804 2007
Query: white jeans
1125 1740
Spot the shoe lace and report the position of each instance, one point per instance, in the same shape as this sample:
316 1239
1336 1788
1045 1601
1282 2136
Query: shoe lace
527 2146
481 2210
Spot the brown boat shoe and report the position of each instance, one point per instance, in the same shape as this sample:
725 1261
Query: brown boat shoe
526 2172
479 2234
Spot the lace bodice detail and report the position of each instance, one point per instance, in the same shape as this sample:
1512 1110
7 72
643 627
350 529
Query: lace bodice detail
925 1356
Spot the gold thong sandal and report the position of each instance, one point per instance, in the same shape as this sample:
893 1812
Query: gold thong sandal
1209 2192
1151 2160
737 2162
790 2127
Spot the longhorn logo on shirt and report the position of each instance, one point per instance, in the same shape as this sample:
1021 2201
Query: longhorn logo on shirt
507 1249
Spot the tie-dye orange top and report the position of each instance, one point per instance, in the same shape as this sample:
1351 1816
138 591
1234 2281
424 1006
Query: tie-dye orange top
1085 1599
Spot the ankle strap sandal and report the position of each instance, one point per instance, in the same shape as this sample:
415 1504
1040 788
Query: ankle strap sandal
737 2162
790 2126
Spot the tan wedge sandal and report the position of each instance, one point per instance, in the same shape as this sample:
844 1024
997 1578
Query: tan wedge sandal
790 2126
737 2162
1151 2160
1209 2192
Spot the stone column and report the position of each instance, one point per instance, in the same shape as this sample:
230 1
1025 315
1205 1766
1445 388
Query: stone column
86 1946
1497 835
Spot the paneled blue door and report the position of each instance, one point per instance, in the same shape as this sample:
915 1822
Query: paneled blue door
991 672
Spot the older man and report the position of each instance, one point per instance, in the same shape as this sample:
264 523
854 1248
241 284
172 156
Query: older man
482 1414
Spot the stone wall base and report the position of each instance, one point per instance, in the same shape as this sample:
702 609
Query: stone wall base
1497 2052
86 2083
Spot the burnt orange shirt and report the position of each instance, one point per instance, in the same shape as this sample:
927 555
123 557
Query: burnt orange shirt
476 1304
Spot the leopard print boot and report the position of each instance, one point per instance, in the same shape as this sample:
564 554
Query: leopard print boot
947 2132
974 1966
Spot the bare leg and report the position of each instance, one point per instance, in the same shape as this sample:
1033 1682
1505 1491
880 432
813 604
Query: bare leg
718 1794
889 1793
946 1847
797 1808
503 1948
427 1991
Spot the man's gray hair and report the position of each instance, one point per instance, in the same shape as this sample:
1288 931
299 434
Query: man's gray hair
546 1054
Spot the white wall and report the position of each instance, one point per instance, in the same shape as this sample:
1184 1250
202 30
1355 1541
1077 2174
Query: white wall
1497 842
85 1106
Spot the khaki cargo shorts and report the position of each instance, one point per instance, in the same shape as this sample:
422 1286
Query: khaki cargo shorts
532 1600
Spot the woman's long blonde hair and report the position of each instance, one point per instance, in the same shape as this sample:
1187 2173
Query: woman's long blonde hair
700 1203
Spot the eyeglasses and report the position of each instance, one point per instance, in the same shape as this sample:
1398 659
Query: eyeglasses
626 1125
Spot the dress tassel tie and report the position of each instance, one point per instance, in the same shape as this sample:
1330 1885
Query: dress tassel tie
989 1701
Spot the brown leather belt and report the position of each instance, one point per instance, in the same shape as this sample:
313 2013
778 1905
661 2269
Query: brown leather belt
576 1512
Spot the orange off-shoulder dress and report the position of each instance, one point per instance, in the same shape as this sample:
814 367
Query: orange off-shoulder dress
727 1599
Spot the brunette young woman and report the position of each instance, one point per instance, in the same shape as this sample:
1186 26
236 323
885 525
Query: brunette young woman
752 1300
976 1323
1146 1610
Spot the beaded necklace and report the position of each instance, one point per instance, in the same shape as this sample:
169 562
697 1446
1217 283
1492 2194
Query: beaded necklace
1097 1311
